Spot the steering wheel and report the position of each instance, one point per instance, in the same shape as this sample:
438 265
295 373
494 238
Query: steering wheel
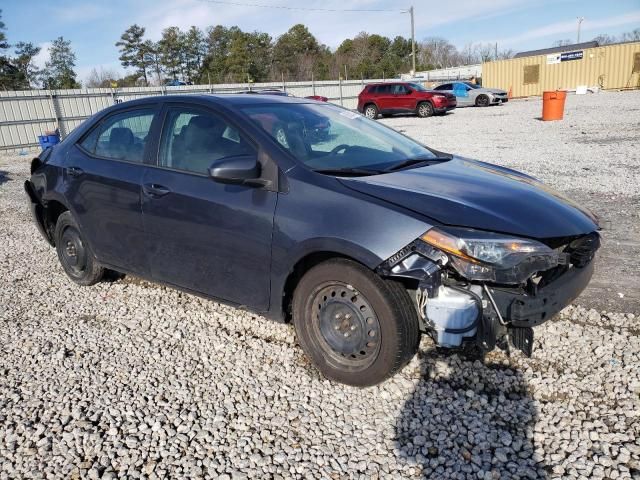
336 149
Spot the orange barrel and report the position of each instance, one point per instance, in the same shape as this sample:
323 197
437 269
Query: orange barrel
553 105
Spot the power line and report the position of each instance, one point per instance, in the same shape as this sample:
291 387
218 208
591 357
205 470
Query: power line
284 7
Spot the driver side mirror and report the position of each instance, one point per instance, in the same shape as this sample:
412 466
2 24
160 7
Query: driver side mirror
238 170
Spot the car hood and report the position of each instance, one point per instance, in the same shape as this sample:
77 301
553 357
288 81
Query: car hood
473 194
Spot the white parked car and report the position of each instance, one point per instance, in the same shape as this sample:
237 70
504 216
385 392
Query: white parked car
470 94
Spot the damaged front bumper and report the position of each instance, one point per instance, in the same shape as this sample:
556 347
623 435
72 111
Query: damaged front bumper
454 311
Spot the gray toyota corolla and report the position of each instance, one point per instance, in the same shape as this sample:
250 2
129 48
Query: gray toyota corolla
308 212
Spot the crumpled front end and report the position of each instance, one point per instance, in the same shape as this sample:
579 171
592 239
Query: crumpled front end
487 289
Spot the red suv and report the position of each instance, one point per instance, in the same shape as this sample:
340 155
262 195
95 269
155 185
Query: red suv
403 97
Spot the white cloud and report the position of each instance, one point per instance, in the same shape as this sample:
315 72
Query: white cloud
42 57
570 28
329 27
81 12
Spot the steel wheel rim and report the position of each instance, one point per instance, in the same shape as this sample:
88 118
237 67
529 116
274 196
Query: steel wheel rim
345 325
370 112
424 110
73 252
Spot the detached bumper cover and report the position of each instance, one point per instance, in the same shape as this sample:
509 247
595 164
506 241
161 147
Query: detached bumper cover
531 310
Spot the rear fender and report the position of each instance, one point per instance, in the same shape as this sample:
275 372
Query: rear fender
38 213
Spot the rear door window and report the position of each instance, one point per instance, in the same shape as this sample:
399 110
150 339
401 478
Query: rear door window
399 89
446 86
122 136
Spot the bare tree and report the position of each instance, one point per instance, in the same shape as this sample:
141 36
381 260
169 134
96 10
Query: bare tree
561 43
438 53
101 78
632 36
604 39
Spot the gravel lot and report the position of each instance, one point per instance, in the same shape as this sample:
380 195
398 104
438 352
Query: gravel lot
130 379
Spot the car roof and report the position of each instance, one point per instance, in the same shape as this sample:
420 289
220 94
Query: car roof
226 99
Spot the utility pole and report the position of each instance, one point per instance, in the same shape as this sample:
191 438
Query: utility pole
413 42
580 20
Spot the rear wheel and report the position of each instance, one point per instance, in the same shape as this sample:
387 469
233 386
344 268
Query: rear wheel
74 253
425 109
356 327
371 111
482 101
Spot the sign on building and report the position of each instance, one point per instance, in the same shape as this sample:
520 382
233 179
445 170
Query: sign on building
564 57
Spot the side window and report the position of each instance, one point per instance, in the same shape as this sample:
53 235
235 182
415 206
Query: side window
122 136
446 86
399 90
384 89
193 139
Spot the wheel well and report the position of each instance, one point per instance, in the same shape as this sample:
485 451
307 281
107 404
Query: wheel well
369 103
300 268
53 211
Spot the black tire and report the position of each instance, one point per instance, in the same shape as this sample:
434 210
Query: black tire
75 254
356 327
370 111
425 109
482 101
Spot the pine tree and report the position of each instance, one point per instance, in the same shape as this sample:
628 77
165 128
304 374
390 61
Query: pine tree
58 72
133 51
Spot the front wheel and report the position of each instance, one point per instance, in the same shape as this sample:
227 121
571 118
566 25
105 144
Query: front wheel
357 328
482 101
74 252
425 109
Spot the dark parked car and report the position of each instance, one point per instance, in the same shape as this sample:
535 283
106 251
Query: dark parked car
365 241
403 97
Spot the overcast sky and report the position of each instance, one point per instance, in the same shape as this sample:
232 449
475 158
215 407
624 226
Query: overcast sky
94 27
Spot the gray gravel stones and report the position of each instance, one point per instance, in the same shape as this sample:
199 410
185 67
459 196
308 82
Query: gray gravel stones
129 379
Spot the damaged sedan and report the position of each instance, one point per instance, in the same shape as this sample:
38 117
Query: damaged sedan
363 238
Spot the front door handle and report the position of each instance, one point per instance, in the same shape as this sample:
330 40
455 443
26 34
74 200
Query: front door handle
74 171
154 190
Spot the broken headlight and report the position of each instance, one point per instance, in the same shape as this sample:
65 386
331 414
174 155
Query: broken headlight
491 257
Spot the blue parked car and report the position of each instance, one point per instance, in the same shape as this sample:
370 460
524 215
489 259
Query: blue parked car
364 238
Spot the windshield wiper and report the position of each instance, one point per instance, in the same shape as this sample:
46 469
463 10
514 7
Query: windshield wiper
349 171
411 162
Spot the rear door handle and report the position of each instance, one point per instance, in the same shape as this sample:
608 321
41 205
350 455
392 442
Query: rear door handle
74 171
154 190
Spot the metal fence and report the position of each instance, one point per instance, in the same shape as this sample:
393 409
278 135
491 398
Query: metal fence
26 114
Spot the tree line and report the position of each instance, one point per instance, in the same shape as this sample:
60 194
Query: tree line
220 54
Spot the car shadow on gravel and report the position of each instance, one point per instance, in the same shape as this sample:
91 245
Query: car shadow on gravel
4 177
468 419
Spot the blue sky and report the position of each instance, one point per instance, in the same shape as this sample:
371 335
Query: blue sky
94 27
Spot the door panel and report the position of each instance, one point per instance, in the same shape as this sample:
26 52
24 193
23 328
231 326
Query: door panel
462 93
385 98
104 191
402 99
206 236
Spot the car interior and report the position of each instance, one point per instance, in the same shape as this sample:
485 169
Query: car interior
195 141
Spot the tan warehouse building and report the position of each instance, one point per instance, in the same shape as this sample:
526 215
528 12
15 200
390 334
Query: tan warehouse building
608 67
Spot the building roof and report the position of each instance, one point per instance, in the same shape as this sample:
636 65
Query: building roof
564 48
